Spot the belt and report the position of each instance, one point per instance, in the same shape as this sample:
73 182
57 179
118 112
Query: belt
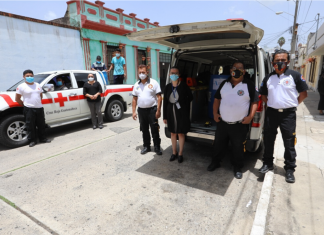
283 110
148 108
231 122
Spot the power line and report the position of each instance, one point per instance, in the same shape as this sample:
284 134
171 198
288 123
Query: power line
309 29
271 9
307 11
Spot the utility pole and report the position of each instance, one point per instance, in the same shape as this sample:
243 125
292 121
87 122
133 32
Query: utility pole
293 41
318 16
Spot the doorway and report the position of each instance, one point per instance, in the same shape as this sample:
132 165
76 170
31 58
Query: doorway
164 67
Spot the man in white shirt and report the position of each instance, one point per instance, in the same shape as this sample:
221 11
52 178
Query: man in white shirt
33 108
147 95
282 90
234 107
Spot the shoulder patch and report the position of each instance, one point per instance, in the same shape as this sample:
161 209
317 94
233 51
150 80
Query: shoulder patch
302 78
257 89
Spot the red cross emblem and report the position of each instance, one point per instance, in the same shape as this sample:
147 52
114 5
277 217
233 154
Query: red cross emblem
60 99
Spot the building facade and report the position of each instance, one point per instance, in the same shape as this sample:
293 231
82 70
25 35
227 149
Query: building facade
102 31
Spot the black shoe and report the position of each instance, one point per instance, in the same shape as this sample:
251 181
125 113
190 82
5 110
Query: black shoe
157 149
173 157
213 166
32 144
238 173
265 168
94 127
100 127
180 158
290 178
146 150
45 141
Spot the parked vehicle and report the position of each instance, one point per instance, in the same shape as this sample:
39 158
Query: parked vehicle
61 107
205 51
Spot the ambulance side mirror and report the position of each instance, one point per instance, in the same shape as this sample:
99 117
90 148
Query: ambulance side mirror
48 87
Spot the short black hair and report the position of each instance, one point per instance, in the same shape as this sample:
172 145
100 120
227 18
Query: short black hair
175 68
98 57
238 62
28 71
281 51
117 49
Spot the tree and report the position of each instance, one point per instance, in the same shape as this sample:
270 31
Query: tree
281 41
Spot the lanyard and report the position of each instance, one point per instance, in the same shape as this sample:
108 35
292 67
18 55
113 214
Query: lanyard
174 90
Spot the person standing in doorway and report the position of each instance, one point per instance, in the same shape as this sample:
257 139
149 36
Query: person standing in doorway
98 65
92 90
320 88
119 66
282 90
32 94
176 112
147 96
235 104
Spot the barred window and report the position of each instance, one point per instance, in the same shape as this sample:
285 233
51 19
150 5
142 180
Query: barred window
165 58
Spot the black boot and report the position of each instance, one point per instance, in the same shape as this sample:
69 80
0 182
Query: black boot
157 149
173 157
265 168
146 150
290 178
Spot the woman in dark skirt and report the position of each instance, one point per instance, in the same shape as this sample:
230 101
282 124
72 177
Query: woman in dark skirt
320 88
176 112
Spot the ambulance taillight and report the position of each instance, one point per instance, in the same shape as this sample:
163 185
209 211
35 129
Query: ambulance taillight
257 117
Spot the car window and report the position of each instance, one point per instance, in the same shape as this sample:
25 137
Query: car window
67 82
81 78
37 78
187 68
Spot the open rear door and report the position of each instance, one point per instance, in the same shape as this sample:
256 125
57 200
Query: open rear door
210 34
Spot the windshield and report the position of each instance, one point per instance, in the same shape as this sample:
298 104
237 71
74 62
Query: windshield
37 78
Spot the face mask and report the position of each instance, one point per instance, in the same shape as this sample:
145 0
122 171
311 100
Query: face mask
117 54
30 79
59 83
237 73
174 77
90 79
280 66
98 62
142 76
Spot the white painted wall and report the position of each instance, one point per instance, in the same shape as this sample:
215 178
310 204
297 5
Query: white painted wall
36 46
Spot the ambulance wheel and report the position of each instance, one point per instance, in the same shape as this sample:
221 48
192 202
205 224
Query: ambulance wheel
114 111
13 131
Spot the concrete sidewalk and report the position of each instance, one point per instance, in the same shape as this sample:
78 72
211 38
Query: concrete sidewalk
298 208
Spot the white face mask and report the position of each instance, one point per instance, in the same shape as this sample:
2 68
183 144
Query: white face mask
117 54
142 76
91 79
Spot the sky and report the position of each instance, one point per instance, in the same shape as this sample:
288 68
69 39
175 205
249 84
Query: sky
258 12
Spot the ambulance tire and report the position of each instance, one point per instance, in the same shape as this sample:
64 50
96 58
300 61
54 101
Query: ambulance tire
12 120
114 111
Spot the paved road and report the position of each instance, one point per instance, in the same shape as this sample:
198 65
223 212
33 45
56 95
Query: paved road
97 182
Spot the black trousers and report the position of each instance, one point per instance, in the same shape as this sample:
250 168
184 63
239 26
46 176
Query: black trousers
147 119
287 123
35 118
236 133
118 79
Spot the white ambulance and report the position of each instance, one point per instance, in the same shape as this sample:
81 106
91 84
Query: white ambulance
61 107
205 50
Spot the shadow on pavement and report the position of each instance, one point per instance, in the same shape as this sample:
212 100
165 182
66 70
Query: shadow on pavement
193 171
311 103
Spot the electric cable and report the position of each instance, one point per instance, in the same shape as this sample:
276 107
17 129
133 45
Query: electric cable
271 9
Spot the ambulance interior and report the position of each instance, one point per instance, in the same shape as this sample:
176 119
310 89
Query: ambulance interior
203 72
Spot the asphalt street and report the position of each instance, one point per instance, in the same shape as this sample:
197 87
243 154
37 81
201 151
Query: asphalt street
97 182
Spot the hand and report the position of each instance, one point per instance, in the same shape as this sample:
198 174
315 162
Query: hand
92 97
165 121
95 96
247 120
134 116
125 75
216 117
158 114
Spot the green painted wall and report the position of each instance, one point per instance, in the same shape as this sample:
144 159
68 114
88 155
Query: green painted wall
154 66
130 64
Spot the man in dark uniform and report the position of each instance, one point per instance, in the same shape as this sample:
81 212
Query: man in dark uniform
234 107
147 95
98 65
279 90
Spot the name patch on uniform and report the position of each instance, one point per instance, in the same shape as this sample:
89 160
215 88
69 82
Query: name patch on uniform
150 86
286 82
240 92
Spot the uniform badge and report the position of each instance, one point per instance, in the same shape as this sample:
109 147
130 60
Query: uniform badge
302 78
256 89
240 92
286 82
150 86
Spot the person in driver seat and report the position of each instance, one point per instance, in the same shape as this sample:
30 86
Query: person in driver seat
60 84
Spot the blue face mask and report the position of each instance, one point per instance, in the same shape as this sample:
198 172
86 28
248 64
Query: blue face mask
98 62
117 54
59 83
30 79
174 77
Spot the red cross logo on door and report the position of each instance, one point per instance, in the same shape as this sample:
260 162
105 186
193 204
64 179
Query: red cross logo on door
60 99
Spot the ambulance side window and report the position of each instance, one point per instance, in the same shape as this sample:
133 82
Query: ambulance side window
65 77
82 78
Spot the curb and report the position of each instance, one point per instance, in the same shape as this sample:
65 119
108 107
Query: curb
260 218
